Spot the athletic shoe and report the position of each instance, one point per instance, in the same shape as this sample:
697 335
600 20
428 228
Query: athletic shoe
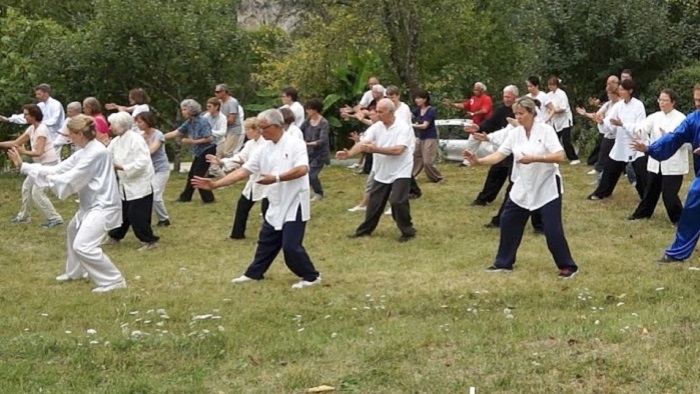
104 289
52 223
164 223
66 278
317 197
567 273
148 246
20 219
405 238
575 162
354 165
666 259
305 283
357 208
109 241
478 203
592 172
388 211
493 268
593 197
242 279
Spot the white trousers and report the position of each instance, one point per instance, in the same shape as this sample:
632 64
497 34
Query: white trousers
31 191
85 253
160 180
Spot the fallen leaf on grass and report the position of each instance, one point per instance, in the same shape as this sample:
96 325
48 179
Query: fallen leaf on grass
254 360
320 389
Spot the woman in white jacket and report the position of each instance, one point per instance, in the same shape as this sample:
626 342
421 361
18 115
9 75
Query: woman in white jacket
132 161
88 172
623 119
664 178
253 191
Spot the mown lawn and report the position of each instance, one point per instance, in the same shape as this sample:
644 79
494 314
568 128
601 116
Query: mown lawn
420 317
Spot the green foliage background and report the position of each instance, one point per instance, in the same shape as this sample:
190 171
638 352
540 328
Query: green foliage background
179 49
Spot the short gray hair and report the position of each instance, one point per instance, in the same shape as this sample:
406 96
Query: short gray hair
272 116
480 85
74 105
122 121
222 86
378 89
512 89
386 104
191 106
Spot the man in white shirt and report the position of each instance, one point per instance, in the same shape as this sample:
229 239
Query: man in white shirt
290 99
403 111
51 109
392 141
283 164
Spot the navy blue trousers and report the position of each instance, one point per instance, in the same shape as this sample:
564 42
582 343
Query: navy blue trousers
513 221
289 239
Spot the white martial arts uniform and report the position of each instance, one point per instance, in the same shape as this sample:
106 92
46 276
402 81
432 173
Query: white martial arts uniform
90 173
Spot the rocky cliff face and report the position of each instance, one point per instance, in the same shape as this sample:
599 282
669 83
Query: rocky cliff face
283 13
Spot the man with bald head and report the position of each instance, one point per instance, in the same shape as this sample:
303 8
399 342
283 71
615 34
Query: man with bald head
478 108
391 141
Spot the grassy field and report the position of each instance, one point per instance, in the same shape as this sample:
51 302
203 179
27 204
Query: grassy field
419 317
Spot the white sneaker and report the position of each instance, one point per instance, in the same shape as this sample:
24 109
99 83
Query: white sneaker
148 246
305 283
575 162
353 165
466 162
316 197
388 211
357 208
592 172
104 289
66 278
242 279
107 240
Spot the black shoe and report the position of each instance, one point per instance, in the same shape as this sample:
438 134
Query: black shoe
478 203
413 196
666 259
405 238
538 231
632 217
208 202
491 225
181 200
236 237
493 268
568 273
164 223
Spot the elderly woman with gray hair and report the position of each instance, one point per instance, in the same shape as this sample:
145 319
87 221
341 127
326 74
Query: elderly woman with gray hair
132 161
195 131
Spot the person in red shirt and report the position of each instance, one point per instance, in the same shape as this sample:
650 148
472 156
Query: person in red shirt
478 108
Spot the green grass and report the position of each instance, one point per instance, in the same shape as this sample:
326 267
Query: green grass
420 317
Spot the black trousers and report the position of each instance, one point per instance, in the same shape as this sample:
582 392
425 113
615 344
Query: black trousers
240 220
640 172
611 174
658 185
496 177
397 194
565 135
595 153
535 218
314 181
199 168
136 214
367 164
606 146
290 240
513 225
415 190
